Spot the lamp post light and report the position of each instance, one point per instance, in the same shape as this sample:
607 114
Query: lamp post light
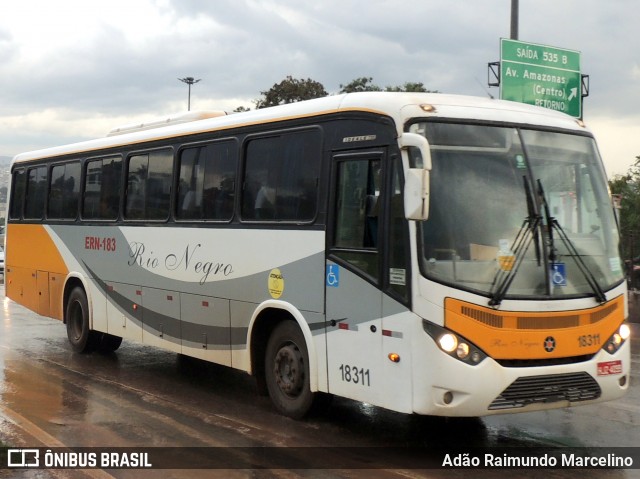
189 81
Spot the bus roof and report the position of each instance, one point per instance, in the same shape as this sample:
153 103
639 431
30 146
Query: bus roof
399 106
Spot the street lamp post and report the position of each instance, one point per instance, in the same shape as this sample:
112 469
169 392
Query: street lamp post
189 81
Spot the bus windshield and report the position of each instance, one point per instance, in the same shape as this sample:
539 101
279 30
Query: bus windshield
486 189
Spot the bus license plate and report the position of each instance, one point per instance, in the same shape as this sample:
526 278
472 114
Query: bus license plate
610 367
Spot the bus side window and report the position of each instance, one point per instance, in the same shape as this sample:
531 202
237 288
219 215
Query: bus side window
64 192
18 188
36 192
206 188
136 183
102 189
262 163
149 185
281 177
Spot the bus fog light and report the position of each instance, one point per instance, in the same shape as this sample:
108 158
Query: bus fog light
447 397
622 381
463 350
448 342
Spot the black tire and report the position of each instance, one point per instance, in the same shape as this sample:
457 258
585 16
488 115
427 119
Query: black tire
287 371
109 343
81 338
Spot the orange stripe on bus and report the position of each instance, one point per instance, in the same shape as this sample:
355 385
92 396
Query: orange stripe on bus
30 246
523 335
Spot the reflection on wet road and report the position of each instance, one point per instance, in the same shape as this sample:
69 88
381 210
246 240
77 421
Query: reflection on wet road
144 397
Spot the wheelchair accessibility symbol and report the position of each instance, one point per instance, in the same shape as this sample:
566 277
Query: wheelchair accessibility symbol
558 274
333 275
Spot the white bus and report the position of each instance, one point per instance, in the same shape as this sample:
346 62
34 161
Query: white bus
425 253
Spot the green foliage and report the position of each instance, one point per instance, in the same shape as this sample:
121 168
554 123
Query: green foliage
359 84
366 84
291 90
411 87
628 187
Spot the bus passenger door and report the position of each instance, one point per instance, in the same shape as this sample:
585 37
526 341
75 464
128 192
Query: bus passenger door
352 278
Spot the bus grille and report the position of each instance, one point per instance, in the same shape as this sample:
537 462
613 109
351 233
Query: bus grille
550 388
533 321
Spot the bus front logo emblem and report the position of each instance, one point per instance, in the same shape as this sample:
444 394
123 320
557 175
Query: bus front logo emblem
549 344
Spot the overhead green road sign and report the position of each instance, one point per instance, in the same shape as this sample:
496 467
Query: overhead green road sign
541 75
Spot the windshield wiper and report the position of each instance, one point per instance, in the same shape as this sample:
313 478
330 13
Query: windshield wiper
552 223
527 232
531 211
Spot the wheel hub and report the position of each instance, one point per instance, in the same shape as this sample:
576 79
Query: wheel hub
76 321
289 370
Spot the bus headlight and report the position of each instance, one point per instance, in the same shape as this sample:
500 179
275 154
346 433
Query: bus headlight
617 339
453 344
448 342
624 331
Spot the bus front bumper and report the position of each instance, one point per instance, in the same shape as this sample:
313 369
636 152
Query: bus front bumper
459 389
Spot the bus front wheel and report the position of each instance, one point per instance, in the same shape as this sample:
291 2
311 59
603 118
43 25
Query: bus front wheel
287 370
81 338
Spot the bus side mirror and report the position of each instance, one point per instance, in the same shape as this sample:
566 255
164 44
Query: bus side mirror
416 181
416 194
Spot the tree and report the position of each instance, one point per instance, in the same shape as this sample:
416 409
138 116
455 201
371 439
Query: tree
359 84
628 188
291 90
366 84
411 87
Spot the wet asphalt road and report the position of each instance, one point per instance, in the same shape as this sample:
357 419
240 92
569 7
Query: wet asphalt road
143 397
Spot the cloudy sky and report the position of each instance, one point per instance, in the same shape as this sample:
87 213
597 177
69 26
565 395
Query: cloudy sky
73 69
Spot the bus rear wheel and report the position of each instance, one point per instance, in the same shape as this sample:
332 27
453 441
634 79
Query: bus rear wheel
81 337
287 371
